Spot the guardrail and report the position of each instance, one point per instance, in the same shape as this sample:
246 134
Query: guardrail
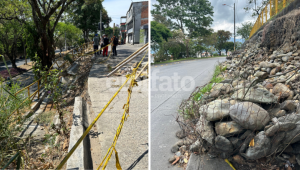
124 117
271 9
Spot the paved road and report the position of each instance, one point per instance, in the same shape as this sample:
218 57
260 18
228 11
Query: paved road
18 62
170 84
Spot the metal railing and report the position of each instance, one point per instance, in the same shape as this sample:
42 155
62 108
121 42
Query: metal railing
272 8
82 49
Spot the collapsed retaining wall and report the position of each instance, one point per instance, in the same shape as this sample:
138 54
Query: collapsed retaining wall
252 117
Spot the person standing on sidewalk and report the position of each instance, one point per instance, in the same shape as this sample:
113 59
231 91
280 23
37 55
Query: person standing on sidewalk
96 41
115 43
105 43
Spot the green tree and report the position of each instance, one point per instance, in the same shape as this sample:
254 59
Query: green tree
238 45
228 46
192 17
222 38
162 19
159 34
255 7
244 30
209 41
10 34
68 31
86 16
44 13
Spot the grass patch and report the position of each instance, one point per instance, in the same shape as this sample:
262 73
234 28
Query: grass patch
45 117
183 59
215 79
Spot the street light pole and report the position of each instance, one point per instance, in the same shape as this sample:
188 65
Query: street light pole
234 25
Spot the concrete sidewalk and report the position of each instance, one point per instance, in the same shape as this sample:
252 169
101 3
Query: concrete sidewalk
132 145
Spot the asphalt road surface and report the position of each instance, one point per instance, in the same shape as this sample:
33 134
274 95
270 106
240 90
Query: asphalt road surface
170 85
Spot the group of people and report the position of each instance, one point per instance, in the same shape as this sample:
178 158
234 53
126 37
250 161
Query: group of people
104 42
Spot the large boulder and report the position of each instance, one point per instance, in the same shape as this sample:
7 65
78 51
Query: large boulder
215 110
205 129
222 87
280 127
257 95
292 136
249 115
282 91
223 144
228 128
262 145
294 118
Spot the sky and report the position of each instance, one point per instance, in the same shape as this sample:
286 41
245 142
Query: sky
116 9
224 16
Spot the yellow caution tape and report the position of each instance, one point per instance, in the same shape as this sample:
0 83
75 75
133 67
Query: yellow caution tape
91 125
124 118
226 160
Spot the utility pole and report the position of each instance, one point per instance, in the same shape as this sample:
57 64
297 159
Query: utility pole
100 22
234 25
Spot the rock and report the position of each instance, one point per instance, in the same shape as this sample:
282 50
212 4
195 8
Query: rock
236 142
180 134
249 115
257 95
269 86
64 80
298 159
205 129
262 145
275 70
276 141
215 110
134 65
294 118
273 65
285 58
215 94
73 69
174 149
223 144
182 149
261 74
172 159
280 113
228 128
288 105
282 91
280 127
293 135
227 81
245 135
222 87
187 141
238 159
195 146
180 143
263 65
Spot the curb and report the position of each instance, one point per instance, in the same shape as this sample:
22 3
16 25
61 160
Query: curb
77 159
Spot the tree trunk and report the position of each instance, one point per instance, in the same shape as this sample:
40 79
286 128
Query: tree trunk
24 51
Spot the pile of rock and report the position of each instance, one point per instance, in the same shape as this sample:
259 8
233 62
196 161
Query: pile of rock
254 112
